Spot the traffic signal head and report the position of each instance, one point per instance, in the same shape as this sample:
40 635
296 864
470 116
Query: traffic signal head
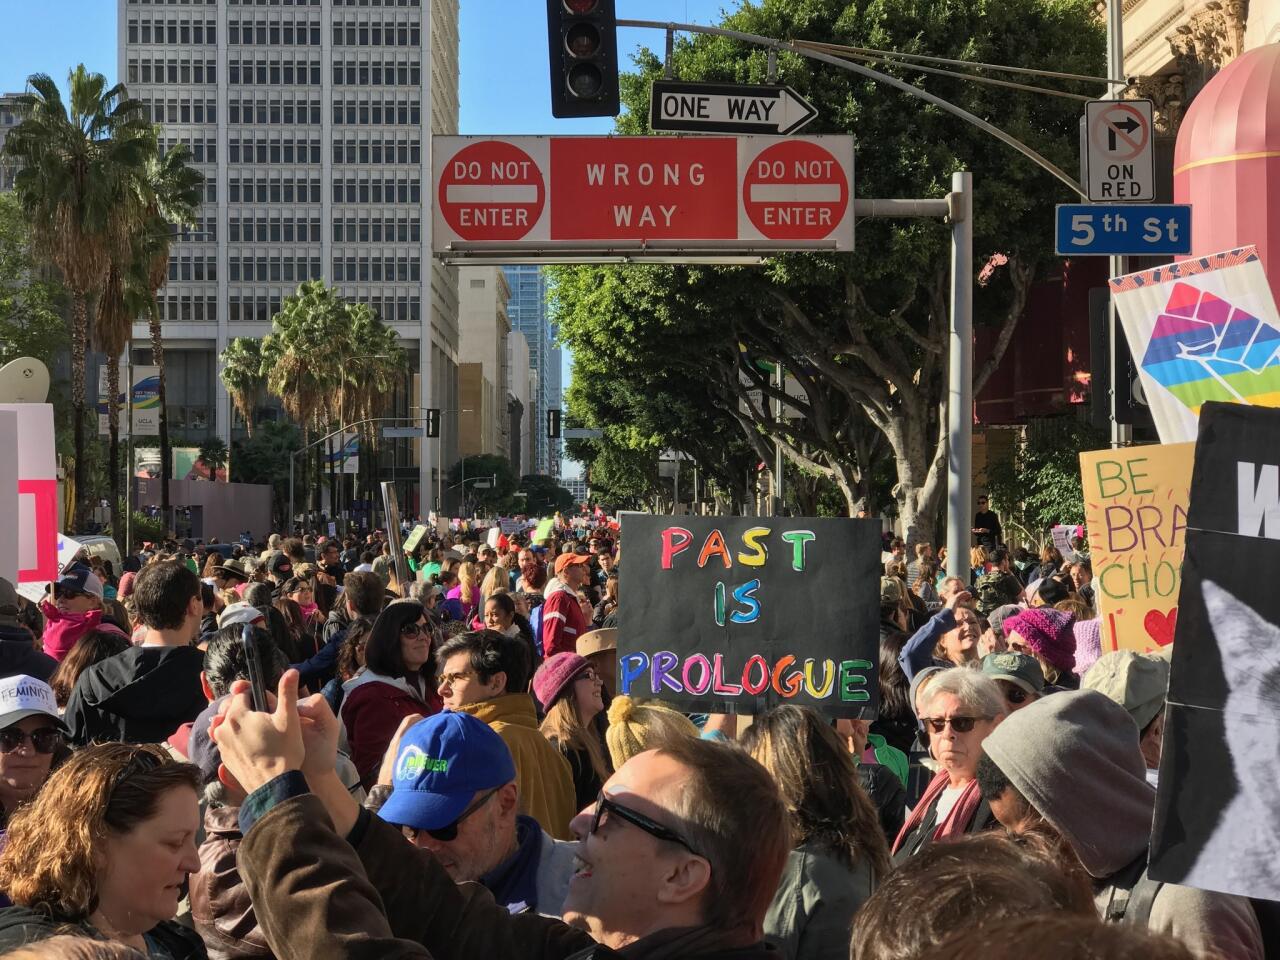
582 42
433 422
553 424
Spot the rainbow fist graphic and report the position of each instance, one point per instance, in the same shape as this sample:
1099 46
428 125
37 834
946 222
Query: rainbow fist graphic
1203 348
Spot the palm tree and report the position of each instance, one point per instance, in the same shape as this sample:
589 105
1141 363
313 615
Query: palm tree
170 192
241 374
74 166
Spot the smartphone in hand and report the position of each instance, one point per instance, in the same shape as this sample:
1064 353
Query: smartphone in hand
257 670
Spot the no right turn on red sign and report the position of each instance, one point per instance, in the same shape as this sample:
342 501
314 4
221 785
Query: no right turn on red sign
669 195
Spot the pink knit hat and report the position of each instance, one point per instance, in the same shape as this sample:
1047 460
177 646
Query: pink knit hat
1048 632
126 584
555 674
1088 635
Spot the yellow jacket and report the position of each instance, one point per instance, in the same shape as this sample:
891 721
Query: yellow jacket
543 775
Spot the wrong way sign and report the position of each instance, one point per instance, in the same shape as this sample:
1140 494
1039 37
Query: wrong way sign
1119 150
645 196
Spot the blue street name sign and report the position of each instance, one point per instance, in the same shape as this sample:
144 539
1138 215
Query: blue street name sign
1123 229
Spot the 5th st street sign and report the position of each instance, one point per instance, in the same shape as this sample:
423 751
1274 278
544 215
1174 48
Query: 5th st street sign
727 108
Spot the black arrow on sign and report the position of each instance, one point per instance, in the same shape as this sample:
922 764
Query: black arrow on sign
1128 125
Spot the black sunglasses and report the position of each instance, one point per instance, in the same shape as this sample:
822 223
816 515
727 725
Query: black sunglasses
449 831
44 740
651 827
142 761
958 724
413 629
1014 694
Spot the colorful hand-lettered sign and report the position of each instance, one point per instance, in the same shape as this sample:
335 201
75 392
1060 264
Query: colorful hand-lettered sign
741 614
1135 508
1201 329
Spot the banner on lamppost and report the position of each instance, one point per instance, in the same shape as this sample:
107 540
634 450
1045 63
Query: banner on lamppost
146 401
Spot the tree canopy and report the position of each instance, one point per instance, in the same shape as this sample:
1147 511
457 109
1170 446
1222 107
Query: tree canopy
864 335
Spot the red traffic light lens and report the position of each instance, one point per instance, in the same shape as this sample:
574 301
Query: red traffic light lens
582 40
585 81
581 7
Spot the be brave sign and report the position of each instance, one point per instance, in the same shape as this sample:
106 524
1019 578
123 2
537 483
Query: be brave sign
658 196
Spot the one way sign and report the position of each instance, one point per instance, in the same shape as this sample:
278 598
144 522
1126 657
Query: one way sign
727 108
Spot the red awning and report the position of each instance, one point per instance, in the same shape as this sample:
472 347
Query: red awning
1227 160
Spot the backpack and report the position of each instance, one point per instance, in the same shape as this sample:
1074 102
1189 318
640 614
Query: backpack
535 624
990 592
1133 894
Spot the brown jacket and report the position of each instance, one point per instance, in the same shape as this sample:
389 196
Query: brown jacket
388 900
220 905
543 776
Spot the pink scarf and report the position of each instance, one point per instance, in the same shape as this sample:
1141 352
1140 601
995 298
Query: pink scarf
309 610
956 822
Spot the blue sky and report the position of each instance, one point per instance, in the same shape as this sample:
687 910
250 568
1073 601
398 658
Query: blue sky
502 60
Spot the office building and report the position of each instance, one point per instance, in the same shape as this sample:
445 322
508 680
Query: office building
520 432
9 118
528 311
309 120
483 382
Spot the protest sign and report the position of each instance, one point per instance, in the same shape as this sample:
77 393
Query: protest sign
495 534
1214 822
415 538
1062 535
1199 330
544 531
391 509
37 492
1135 508
9 498
741 614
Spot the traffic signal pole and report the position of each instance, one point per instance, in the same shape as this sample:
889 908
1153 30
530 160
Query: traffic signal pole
960 377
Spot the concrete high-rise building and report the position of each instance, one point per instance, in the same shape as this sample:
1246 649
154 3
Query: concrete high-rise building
484 420
310 121
528 312
9 118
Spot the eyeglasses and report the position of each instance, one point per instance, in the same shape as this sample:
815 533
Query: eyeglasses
958 724
142 761
589 675
413 629
651 827
449 831
452 678
44 740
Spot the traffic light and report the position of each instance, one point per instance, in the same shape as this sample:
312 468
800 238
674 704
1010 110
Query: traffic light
582 41
553 424
433 422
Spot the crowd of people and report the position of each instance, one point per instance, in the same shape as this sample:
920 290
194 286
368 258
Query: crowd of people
445 768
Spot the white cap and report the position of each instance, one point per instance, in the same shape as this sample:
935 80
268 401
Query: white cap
236 614
24 696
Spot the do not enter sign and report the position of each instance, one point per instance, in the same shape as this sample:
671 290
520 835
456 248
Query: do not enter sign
491 190
641 197
795 190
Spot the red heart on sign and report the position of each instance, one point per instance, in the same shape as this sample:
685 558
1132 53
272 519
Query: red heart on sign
1160 626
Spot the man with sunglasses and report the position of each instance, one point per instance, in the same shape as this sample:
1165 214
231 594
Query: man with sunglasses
30 733
680 857
453 792
1018 676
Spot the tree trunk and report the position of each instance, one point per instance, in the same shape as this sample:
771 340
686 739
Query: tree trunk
79 342
113 418
166 454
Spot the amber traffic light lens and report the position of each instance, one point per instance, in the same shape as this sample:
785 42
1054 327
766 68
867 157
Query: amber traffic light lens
582 40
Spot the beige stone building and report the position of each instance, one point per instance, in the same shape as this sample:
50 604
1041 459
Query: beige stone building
483 328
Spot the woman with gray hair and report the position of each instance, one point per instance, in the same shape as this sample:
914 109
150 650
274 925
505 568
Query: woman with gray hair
958 709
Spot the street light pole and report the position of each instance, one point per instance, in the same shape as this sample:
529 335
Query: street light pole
960 380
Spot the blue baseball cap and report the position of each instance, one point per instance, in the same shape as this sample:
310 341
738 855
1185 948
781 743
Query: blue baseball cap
443 762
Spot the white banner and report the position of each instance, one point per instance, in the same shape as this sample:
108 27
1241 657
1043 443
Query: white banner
146 401
1202 329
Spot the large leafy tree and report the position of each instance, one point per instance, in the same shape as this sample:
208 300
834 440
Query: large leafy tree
264 458
76 160
865 335
484 468
31 301
241 373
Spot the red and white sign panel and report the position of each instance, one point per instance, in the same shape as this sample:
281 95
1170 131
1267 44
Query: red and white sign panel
662 194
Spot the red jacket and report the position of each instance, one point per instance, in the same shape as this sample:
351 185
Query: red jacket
562 620
371 711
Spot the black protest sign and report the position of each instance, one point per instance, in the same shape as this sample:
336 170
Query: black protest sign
741 614
1215 823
